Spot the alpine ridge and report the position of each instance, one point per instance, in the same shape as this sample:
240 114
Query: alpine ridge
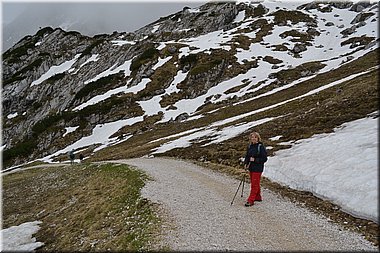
189 81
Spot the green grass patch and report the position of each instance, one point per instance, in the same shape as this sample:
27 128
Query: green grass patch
242 40
21 149
44 30
18 76
84 207
282 17
15 54
297 36
205 66
289 75
146 56
272 60
358 41
26 43
47 122
160 80
258 11
102 84
89 48
190 59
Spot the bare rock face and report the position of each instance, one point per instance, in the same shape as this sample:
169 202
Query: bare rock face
208 18
360 6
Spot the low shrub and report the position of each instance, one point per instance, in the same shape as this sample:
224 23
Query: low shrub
99 84
204 67
188 59
148 54
282 16
22 149
90 47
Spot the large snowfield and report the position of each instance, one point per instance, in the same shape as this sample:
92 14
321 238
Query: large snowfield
341 167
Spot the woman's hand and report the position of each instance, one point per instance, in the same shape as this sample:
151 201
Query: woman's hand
252 159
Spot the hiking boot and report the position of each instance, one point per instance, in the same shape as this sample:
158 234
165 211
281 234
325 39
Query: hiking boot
248 204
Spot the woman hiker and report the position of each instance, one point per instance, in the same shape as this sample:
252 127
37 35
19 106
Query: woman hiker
254 161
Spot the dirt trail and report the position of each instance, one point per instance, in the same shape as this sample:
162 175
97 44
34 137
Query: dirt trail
198 201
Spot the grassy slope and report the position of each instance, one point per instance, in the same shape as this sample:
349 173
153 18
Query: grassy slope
82 207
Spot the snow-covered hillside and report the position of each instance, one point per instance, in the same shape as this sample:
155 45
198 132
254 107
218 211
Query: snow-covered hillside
341 167
194 82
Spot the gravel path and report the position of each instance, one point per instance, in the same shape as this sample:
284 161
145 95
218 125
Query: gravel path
198 201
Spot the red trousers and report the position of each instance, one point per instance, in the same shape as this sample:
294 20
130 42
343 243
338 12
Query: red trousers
255 187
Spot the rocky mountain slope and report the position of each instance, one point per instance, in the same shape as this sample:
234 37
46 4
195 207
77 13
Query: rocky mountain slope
186 83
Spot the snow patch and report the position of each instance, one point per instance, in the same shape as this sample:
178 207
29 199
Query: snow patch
19 238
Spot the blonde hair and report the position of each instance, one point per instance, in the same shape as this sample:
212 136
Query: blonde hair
257 135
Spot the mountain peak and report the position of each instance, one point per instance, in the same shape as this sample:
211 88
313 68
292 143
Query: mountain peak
203 75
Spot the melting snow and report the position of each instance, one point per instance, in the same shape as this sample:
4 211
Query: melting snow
340 166
19 238
56 70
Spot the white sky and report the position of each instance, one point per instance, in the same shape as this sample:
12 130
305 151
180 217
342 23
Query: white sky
13 8
21 18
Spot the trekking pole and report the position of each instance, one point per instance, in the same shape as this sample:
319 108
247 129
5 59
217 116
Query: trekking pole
242 181
242 189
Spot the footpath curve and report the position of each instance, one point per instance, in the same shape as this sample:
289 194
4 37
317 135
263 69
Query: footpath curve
198 203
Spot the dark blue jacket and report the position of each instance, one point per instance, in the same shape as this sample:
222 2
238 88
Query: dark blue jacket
260 155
